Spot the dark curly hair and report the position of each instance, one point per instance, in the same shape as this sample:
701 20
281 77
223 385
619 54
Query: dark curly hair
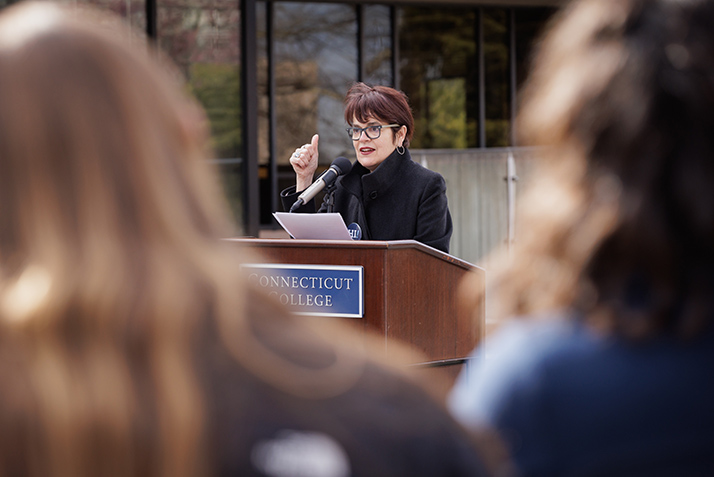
619 223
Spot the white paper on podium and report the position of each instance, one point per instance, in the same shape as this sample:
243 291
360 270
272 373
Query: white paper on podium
322 226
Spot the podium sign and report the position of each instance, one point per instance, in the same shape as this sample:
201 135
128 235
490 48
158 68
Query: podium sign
315 290
409 292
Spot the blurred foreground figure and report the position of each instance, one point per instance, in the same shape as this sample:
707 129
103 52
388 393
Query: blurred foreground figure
609 371
129 343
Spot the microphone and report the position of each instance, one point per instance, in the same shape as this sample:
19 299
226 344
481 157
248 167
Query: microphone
338 167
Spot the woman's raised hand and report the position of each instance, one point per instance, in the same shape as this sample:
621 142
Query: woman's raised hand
304 162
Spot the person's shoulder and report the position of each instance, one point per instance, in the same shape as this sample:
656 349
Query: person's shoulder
321 380
416 165
545 337
417 172
405 420
515 361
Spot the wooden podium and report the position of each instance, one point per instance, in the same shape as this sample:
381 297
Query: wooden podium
409 292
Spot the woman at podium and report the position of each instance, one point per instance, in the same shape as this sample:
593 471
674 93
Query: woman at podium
384 195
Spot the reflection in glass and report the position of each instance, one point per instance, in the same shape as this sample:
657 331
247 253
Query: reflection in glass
529 26
439 73
267 175
134 11
377 49
231 175
262 55
497 75
202 39
315 47
530 23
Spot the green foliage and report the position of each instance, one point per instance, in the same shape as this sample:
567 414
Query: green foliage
439 71
217 88
498 132
232 184
447 113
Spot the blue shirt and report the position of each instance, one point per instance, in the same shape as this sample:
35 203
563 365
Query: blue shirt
570 402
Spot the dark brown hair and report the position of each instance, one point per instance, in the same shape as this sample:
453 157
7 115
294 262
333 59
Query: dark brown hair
381 102
619 223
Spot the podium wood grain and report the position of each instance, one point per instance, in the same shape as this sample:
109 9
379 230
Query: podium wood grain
410 292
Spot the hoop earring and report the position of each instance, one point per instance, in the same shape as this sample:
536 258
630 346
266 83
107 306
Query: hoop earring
401 151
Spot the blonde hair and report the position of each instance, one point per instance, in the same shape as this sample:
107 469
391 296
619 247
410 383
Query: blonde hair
109 252
618 225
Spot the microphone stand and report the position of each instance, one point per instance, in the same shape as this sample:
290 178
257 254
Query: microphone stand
330 197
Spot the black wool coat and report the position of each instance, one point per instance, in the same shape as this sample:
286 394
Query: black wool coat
309 407
400 200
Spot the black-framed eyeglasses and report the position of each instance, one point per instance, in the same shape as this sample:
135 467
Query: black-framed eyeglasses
372 132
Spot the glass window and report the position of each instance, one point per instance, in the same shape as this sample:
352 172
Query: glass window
438 69
315 47
377 51
530 23
203 40
266 169
263 84
496 41
132 10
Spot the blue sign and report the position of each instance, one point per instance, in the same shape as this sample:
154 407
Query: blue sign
315 290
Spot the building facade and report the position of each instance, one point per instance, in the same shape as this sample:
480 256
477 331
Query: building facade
270 74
